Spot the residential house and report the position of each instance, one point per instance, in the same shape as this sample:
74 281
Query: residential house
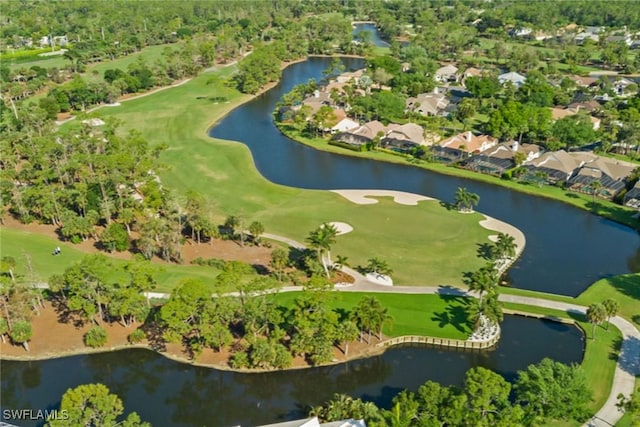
589 33
622 38
363 134
558 166
461 146
404 138
344 125
632 197
60 40
446 74
502 157
586 106
521 32
610 173
349 76
560 113
317 100
582 81
621 85
428 104
512 77
471 72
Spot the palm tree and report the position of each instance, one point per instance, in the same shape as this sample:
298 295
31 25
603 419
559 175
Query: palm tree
595 187
321 240
596 313
378 266
611 308
482 281
465 200
505 246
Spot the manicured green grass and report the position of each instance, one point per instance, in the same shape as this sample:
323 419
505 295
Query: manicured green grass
149 54
424 244
439 316
17 244
624 288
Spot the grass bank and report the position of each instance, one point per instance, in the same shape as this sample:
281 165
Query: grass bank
38 248
425 243
442 316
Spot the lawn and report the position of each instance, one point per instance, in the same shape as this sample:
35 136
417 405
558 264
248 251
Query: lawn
17 243
624 288
424 244
439 316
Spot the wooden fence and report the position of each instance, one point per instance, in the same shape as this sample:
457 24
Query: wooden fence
442 342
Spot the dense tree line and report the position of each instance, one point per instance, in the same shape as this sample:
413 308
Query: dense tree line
543 392
261 333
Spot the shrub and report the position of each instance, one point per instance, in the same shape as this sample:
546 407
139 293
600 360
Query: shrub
136 336
239 360
115 237
95 337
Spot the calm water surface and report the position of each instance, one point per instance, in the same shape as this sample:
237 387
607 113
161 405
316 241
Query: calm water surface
168 393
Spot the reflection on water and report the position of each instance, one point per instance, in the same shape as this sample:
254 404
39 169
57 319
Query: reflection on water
160 389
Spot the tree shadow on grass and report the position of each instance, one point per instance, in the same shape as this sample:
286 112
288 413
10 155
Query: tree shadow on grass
456 313
628 285
485 251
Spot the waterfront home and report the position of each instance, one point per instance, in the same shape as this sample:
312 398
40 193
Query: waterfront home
351 76
632 197
560 113
404 138
428 104
558 166
502 157
610 173
516 79
344 125
318 100
469 143
363 134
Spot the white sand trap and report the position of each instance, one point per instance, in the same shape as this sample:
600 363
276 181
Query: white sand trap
496 225
364 197
342 227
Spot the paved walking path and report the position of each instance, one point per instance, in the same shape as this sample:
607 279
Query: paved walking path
627 368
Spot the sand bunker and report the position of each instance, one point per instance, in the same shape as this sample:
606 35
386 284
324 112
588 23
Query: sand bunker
342 227
364 197
496 225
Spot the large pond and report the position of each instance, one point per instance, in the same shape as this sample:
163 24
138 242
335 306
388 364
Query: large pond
567 248
168 393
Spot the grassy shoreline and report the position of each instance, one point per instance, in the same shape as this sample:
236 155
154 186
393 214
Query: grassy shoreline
603 208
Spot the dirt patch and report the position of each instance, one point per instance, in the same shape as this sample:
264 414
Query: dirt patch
223 249
52 338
